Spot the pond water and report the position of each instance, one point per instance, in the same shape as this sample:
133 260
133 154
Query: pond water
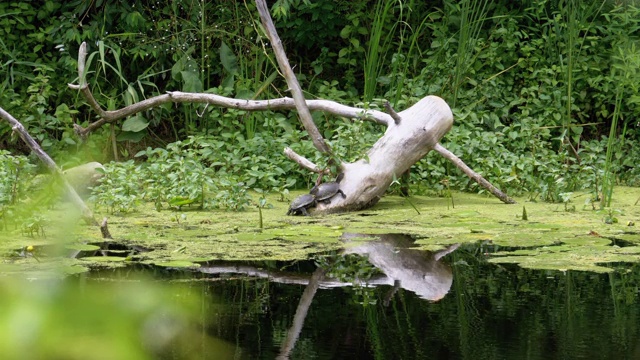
384 300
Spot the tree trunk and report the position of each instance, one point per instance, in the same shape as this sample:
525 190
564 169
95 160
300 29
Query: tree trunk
404 143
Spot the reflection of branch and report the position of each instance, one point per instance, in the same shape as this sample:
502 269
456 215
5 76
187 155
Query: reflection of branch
87 214
446 251
301 313
391 293
289 278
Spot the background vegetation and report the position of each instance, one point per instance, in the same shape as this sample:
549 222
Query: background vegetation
545 93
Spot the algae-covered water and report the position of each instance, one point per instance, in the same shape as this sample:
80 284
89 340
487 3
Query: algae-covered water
468 279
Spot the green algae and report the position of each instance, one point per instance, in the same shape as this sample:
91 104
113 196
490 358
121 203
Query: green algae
551 238
82 247
103 259
177 264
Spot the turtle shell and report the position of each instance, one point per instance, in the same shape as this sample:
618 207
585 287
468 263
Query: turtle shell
325 191
301 202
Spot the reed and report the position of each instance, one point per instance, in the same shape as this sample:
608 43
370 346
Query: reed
473 14
379 45
625 70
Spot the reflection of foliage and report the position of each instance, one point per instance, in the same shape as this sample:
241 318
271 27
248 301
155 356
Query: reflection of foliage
354 269
536 307
347 268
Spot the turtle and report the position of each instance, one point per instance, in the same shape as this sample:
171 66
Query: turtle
325 191
300 204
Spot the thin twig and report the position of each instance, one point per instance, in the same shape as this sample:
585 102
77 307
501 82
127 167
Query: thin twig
396 118
472 174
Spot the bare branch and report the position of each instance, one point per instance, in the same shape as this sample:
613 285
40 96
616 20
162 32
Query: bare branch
292 82
396 118
82 81
304 162
328 106
472 174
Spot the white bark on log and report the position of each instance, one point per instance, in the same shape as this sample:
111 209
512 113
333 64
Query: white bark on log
365 181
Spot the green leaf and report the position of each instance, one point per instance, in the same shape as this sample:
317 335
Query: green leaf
227 82
191 82
131 136
135 124
228 59
101 50
345 32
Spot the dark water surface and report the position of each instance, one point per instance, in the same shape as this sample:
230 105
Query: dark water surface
465 308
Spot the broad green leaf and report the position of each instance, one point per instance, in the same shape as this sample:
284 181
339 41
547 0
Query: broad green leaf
191 81
131 136
135 124
228 59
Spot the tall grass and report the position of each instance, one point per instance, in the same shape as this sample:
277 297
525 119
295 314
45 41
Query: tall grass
572 27
473 14
379 45
404 58
626 68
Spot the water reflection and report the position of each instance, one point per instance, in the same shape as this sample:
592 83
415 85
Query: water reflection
489 311
418 271
400 265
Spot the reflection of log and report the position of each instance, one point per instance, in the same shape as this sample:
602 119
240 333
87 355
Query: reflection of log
418 271
415 270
